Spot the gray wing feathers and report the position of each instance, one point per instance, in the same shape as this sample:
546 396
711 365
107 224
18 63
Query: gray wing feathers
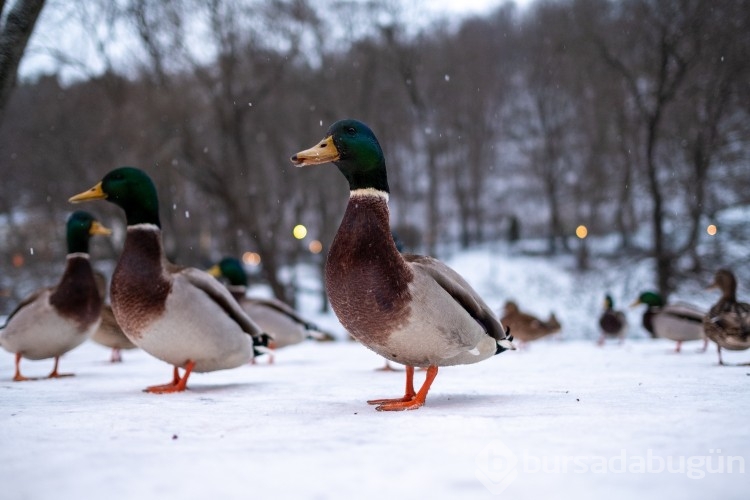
461 291
278 306
28 300
222 297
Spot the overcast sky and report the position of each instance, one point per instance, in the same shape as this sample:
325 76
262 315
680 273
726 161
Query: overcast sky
59 36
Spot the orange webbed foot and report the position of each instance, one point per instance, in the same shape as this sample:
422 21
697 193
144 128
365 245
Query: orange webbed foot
411 400
409 393
405 399
163 388
56 374
178 384
412 404
18 377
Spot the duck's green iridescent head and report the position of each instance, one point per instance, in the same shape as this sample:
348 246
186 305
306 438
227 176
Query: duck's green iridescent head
231 269
80 227
354 149
608 302
129 188
651 299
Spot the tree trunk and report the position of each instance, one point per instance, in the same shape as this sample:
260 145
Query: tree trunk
433 215
13 40
661 254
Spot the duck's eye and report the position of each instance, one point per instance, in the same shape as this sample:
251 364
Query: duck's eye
351 131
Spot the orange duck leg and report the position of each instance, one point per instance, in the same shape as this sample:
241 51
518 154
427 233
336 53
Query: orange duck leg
411 400
178 384
18 377
55 373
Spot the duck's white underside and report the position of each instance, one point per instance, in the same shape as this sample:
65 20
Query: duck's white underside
38 332
193 327
673 328
438 332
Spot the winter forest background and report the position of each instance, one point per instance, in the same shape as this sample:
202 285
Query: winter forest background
630 117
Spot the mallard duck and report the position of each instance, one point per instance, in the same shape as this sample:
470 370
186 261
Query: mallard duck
410 309
612 323
679 322
728 321
180 315
274 317
52 321
526 327
109 334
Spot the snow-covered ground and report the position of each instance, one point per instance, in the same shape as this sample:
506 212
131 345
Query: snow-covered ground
561 419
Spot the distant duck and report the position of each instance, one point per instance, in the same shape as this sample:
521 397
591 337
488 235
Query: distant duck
525 326
279 320
109 334
410 309
728 321
55 320
180 315
679 322
612 323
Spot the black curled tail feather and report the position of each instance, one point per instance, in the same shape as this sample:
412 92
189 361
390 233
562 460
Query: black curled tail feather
260 344
505 344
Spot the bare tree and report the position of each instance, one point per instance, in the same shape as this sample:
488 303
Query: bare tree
235 94
469 95
706 118
481 119
547 119
666 36
406 62
15 32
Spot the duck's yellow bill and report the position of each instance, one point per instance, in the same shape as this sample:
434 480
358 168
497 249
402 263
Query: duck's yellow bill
323 152
214 271
97 228
95 193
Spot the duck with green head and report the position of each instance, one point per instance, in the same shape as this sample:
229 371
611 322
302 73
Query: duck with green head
410 309
54 320
728 321
279 320
679 321
180 315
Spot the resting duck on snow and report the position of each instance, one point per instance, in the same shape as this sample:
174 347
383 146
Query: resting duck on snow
55 320
180 315
728 321
109 334
274 317
679 322
410 309
527 327
612 323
